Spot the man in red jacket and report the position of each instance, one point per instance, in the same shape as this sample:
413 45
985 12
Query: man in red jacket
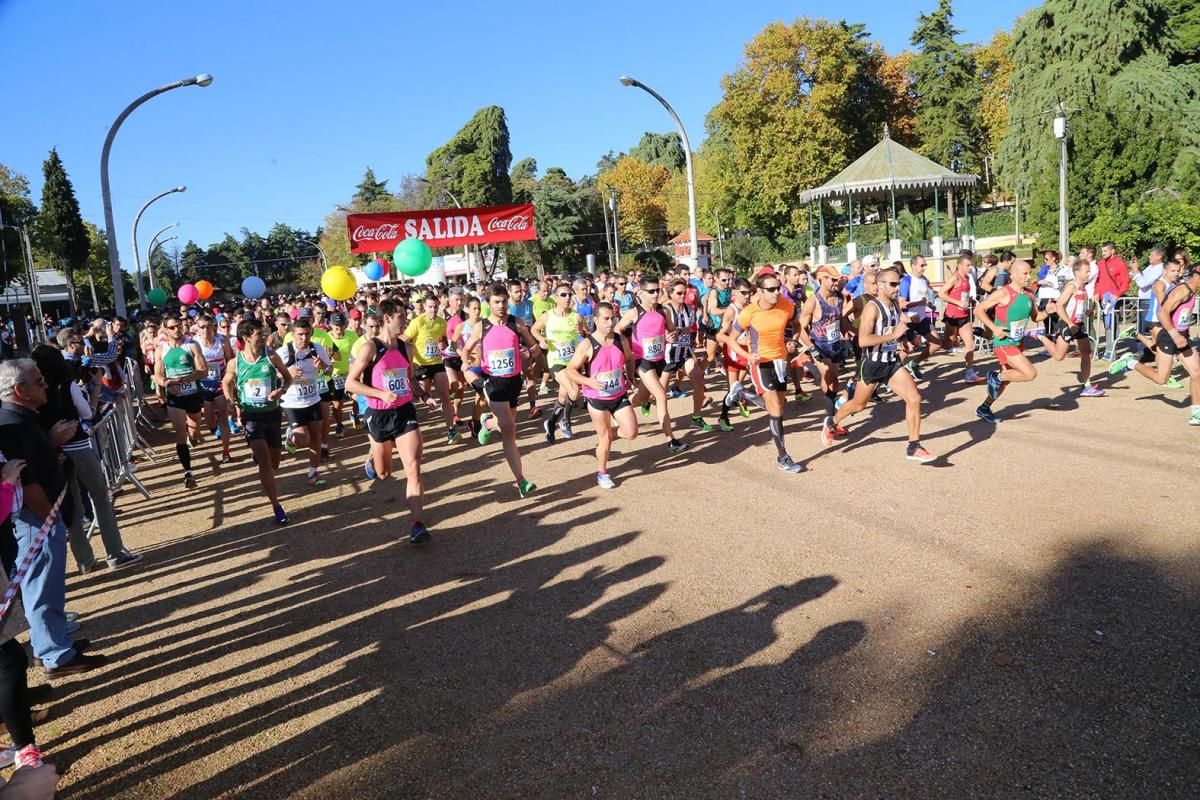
1112 281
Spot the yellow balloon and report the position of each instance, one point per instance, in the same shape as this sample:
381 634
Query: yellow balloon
338 283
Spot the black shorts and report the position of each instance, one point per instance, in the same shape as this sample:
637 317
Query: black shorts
679 361
1168 347
833 352
1066 333
612 406
387 424
191 403
765 379
956 322
304 416
646 366
918 327
263 425
557 368
426 372
334 395
503 390
211 393
453 362
877 373
327 396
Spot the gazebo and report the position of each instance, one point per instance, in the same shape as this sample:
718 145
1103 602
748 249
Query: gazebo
887 169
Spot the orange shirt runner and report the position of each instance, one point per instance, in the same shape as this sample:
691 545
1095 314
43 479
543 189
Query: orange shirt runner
767 327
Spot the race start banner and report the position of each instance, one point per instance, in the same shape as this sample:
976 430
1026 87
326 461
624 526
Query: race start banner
441 227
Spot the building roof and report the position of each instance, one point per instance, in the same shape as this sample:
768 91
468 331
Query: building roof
686 236
888 166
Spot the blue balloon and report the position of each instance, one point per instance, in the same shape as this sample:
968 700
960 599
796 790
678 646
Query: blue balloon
374 270
253 287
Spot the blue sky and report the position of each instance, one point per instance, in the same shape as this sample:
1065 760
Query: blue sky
307 94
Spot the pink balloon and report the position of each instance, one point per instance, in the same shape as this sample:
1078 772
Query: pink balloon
188 294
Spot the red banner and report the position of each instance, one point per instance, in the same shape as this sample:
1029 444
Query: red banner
441 227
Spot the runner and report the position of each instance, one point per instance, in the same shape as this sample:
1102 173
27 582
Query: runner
733 338
254 381
500 338
217 353
916 296
602 366
716 300
343 340
1074 306
455 316
681 352
767 318
958 293
1014 308
649 337
1174 317
427 335
305 360
382 373
522 309
822 323
178 366
879 334
558 333
1149 340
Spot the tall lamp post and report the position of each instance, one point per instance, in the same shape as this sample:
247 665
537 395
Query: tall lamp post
687 155
324 260
114 258
1060 133
137 257
150 250
453 199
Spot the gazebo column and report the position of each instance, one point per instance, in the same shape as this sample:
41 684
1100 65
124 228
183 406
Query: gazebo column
812 250
968 230
851 245
894 242
935 243
822 250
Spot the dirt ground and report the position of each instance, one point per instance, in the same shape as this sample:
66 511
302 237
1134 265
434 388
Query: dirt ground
1017 619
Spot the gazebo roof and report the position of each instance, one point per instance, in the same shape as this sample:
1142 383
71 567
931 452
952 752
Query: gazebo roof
686 236
888 166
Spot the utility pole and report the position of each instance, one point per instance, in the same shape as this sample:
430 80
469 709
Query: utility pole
612 203
1060 133
720 236
607 235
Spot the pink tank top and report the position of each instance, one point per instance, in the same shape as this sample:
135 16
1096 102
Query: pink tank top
390 373
649 338
501 349
607 366
450 350
1182 314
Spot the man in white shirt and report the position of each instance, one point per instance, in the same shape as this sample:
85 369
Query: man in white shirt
1145 279
304 358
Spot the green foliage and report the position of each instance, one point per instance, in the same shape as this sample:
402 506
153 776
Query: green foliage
279 258
523 178
60 230
660 149
740 252
16 208
946 80
1157 220
474 164
1185 24
371 191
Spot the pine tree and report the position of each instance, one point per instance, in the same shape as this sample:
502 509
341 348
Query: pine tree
59 225
474 164
371 190
948 86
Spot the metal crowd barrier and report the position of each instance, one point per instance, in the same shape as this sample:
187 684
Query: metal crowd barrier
115 437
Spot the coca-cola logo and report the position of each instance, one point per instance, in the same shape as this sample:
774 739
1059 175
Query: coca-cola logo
378 233
515 223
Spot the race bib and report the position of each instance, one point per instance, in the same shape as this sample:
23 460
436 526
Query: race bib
396 381
339 382
612 383
653 347
888 346
503 363
305 389
184 387
322 383
214 372
255 392
566 352
1017 329
432 349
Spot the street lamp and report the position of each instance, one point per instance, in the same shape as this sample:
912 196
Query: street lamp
150 250
453 199
324 260
687 155
137 257
114 258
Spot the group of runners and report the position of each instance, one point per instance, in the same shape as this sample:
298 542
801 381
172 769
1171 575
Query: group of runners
286 377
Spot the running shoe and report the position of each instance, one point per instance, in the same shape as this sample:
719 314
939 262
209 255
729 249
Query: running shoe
676 446
914 370
1035 333
419 534
839 431
369 468
675 393
993 384
338 429
287 440
803 397
604 482
724 424
451 435
548 427
827 431
474 427
226 458
985 414
7 757
234 428
124 559
1128 333
745 409
525 488
324 452
484 433
564 427
645 409
314 479
1194 419
535 412
1174 383
918 453
281 517
216 433
1091 390
188 480
974 377
699 423
28 756
1123 363
786 464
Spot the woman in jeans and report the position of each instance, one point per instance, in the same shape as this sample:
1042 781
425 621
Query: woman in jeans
67 400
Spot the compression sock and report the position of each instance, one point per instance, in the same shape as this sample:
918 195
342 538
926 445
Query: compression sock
830 403
776 426
185 456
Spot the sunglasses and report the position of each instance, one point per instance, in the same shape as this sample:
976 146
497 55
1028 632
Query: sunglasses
170 327
650 291
891 283
724 280
564 294
743 292
771 289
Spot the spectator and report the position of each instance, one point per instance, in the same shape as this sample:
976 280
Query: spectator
1145 279
1112 281
43 594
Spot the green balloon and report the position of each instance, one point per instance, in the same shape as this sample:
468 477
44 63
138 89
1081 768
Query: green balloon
156 297
412 257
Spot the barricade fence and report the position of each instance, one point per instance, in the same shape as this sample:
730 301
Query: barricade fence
115 434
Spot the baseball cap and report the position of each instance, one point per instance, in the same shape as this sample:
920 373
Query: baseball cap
355 313
767 270
827 270
337 318
305 313
871 259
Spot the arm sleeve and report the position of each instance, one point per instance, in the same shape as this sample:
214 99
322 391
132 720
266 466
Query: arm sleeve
108 356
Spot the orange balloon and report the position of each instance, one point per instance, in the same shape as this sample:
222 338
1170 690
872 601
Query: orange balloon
205 289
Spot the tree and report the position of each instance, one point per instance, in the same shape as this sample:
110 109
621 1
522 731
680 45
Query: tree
945 79
59 225
16 208
1185 24
895 73
474 164
370 191
641 208
97 270
805 101
660 149
524 180
1132 125
994 67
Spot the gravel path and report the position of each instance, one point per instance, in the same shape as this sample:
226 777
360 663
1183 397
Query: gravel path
1014 620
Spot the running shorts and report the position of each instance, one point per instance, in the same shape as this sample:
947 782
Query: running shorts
426 372
765 379
877 373
1168 347
1006 351
387 424
304 416
644 366
264 426
504 390
190 403
612 405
